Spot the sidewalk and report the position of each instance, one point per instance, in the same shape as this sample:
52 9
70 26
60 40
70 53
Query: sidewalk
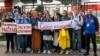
3 48
3 43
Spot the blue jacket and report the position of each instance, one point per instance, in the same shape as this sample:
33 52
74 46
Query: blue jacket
24 21
47 32
91 25
34 22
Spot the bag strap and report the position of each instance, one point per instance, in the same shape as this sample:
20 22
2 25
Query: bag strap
79 18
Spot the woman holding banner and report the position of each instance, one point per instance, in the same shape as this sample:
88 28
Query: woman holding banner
23 38
47 35
35 38
65 18
9 36
56 32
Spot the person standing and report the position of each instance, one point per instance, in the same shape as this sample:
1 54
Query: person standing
91 27
9 36
16 37
23 38
36 37
29 36
47 36
82 31
70 17
41 17
65 18
76 35
56 35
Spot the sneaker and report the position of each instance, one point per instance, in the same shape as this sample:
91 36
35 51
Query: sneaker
83 51
17 51
28 49
70 52
67 52
61 52
49 52
44 52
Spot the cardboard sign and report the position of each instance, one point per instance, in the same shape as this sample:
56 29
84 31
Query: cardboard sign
8 27
24 29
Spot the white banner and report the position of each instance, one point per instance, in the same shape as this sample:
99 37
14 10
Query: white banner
24 29
55 25
8 27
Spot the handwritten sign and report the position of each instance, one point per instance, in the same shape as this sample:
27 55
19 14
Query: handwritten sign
24 29
8 27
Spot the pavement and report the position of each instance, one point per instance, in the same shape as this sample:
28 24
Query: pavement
3 43
3 48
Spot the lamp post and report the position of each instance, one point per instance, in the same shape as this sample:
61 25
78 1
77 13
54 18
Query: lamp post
42 9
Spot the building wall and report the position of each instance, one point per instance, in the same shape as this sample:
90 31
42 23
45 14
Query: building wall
8 3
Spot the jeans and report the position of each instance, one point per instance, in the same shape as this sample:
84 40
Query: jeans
17 42
23 42
93 38
47 45
76 40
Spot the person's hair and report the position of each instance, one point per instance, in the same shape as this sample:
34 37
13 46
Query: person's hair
8 13
24 13
70 13
46 12
28 14
66 13
34 14
39 14
15 11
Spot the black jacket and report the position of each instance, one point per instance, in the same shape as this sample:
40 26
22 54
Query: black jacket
47 32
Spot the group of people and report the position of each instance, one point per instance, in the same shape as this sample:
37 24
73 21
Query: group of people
85 27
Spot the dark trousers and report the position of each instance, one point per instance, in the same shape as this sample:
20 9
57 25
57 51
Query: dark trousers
70 34
29 41
93 38
42 44
82 39
10 39
83 42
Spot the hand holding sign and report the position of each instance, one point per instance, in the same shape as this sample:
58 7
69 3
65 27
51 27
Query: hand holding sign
24 29
8 27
